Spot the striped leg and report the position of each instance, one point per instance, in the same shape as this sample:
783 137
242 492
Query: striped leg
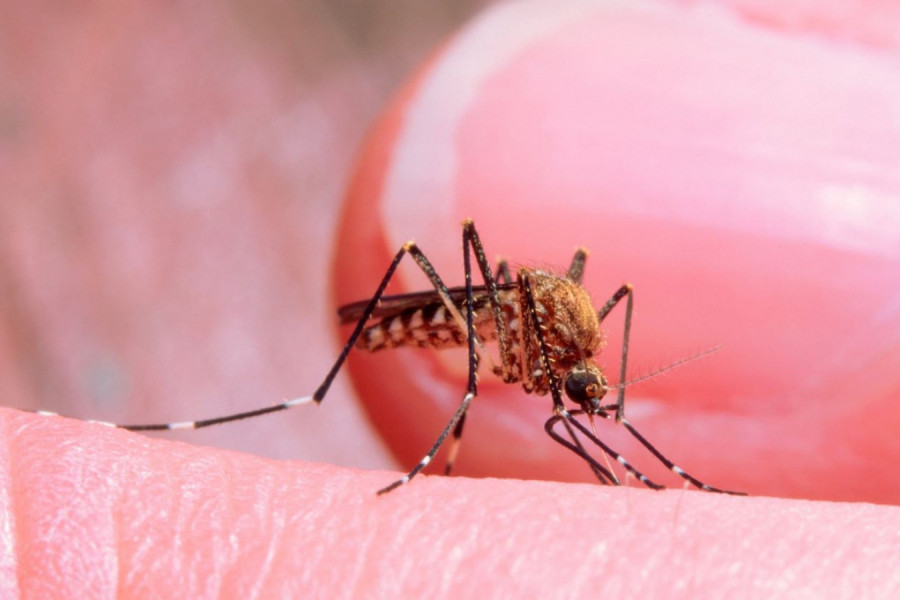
627 291
460 412
558 406
454 444
472 243
673 467
456 422
561 413
424 264
570 418
577 448
604 475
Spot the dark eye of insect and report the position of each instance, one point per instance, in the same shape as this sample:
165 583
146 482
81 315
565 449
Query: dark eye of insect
584 386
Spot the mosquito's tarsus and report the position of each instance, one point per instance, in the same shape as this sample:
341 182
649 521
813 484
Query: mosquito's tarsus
547 332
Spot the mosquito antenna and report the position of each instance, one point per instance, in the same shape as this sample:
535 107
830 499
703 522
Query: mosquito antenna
669 367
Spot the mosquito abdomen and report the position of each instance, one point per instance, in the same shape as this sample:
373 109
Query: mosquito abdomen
427 326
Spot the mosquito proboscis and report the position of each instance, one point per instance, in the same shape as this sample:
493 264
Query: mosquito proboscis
548 334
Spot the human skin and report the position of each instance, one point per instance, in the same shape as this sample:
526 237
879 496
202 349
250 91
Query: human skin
92 511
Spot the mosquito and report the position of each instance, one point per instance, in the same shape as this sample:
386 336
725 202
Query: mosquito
548 333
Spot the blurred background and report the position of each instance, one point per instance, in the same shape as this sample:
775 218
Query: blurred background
170 181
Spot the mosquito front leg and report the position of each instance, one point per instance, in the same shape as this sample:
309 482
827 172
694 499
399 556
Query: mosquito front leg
604 475
672 466
559 408
609 451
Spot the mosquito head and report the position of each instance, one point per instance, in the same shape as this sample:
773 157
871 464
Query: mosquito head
586 385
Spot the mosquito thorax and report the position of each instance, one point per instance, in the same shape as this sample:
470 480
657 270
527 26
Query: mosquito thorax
586 385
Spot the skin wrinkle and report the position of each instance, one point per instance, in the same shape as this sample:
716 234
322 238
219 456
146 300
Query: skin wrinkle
116 545
273 544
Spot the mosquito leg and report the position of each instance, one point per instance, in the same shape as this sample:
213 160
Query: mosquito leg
624 291
593 464
454 444
559 408
609 451
576 269
472 241
672 466
320 392
437 445
604 475
424 264
458 419
472 244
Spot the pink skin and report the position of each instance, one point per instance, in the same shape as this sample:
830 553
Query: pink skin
760 139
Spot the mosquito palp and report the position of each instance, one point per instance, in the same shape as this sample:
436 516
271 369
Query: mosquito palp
548 334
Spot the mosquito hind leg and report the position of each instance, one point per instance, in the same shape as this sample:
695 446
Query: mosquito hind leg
320 392
424 264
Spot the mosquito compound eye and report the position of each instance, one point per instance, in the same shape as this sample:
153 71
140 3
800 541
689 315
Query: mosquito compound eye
584 387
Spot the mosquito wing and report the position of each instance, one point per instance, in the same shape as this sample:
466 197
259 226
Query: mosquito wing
391 306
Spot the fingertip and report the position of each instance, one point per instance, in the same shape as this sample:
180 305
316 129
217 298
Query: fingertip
100 512
730 211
